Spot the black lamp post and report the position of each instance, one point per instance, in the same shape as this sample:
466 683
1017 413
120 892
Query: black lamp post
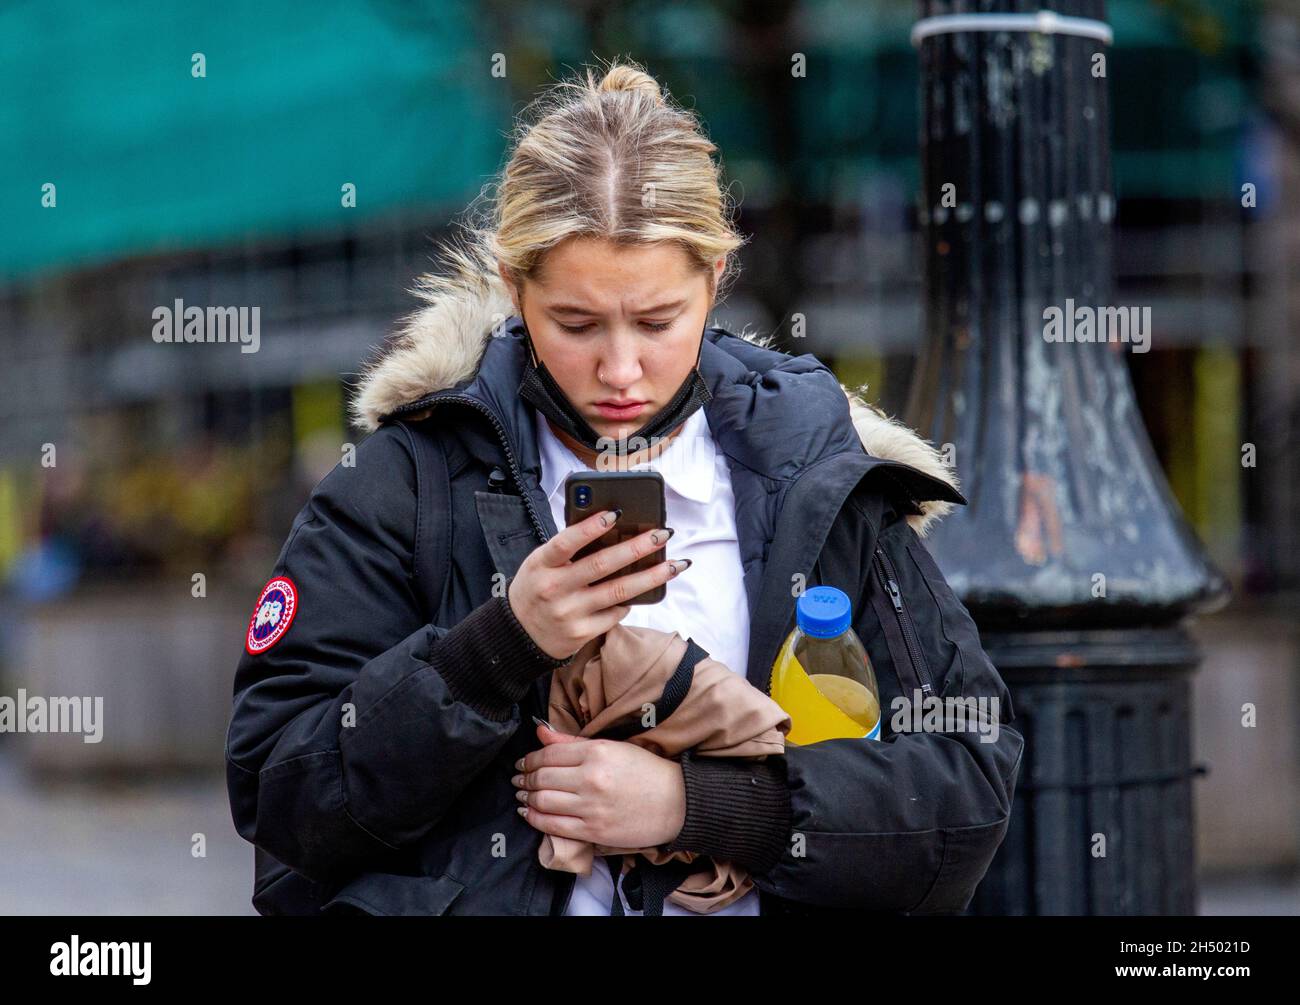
1072 555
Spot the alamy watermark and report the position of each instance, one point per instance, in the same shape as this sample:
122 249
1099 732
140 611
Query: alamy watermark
671 454
1128 325
955 714
179 323
34 714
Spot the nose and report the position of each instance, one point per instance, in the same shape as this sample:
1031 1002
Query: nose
619 364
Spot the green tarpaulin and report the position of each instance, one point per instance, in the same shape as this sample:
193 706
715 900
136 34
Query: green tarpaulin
100 101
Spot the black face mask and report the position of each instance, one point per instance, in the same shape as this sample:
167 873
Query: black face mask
540 390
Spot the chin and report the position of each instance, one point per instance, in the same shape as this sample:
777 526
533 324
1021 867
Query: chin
617 430
614 432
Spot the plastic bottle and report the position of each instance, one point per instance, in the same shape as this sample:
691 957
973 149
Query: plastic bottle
822 676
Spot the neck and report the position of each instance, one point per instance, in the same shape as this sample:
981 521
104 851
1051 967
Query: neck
611 461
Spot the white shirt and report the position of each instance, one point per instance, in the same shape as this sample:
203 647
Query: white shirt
706 602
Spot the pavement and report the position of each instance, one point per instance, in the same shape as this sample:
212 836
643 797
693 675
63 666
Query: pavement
107 848
1250 894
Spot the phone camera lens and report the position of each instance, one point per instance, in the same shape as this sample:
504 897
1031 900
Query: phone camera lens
582 496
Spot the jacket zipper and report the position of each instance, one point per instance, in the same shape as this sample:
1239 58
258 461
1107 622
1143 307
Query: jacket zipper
565 884
889 580
465 399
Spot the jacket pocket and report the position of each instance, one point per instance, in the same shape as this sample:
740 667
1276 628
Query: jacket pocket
967 854
278 890
900 629
885 871
393 895
976 672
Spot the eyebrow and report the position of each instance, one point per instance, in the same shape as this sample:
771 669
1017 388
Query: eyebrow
575 309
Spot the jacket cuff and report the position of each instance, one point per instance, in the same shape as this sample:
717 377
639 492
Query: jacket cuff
737 810
489 661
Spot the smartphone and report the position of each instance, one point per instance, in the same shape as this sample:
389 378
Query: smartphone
640 495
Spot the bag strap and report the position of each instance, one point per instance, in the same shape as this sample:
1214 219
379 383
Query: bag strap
646 886
615 864
431 562
670 700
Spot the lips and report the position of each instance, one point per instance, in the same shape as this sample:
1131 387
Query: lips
629 411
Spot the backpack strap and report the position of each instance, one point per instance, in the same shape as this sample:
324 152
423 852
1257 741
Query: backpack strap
431 561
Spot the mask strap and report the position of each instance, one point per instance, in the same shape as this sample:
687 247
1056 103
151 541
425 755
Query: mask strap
528 336
528 339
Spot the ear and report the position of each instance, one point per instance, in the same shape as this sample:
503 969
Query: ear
508 278
715 278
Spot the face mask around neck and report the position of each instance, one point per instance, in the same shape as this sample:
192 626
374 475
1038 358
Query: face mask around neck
540 390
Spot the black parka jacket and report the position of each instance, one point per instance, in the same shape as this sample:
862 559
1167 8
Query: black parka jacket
371 747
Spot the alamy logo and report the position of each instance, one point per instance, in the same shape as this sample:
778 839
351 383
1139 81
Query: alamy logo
179 323
75 958
1101 324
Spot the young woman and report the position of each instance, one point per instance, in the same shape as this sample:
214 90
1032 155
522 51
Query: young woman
382 754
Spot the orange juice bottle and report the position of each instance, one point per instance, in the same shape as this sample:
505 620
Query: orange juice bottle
822 676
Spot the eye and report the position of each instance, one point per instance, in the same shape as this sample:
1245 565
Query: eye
576 331
657 326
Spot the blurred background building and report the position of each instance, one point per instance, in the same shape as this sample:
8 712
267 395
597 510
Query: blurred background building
305 162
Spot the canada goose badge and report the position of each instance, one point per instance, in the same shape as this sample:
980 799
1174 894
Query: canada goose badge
272 615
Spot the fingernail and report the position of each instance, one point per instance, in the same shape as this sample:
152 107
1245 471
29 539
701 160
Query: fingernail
523 810
662 535
522 796
519 764
609 518
680 565
517 781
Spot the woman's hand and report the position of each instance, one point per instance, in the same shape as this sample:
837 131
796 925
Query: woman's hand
553 599
608 792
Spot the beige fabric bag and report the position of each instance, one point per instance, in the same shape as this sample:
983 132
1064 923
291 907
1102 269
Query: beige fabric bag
613 680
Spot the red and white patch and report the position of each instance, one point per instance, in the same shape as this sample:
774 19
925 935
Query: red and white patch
272 615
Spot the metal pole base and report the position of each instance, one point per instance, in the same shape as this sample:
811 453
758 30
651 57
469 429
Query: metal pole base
1102 821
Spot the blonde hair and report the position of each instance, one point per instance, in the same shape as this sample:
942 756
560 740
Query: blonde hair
613 158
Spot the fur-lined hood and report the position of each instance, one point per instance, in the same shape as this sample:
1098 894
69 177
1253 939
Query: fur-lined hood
440 345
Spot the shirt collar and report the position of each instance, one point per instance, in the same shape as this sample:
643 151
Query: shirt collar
688 463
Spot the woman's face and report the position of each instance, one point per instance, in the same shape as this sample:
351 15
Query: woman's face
618 326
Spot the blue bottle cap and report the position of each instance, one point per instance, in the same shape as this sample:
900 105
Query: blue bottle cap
824 612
